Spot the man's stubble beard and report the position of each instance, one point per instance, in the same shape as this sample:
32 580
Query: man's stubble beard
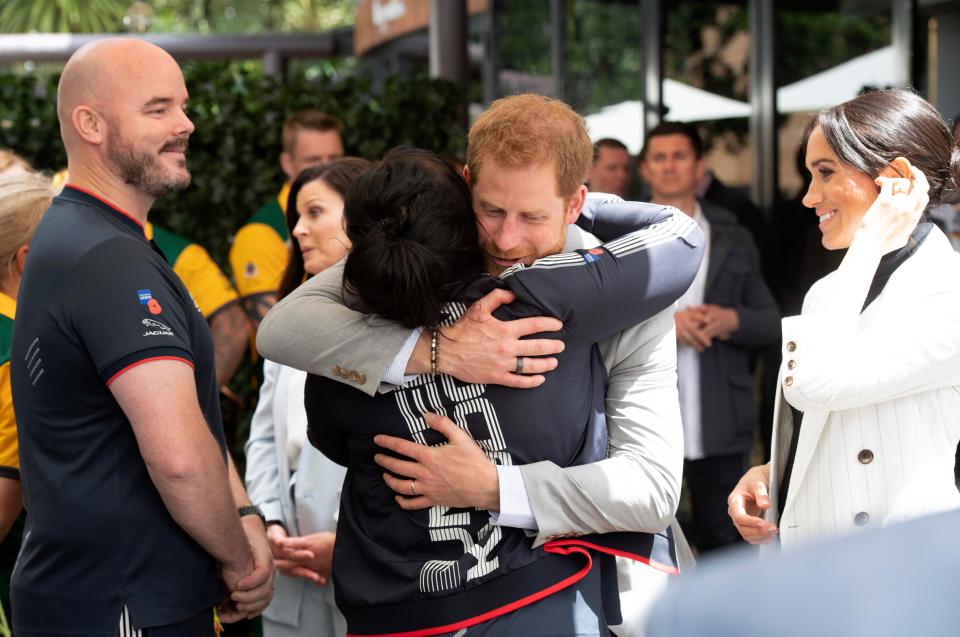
143 170
495 269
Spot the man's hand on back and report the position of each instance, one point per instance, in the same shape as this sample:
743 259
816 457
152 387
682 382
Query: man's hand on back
458 474
480 348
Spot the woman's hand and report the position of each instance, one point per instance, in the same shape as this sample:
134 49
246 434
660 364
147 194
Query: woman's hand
275 535
307 556
897 209
747 502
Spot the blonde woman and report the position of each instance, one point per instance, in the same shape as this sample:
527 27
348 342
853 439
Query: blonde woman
24 197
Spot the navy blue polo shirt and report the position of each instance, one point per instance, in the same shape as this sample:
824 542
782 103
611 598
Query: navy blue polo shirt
96 299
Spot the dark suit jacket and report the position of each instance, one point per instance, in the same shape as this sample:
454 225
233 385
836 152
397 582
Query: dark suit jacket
734 279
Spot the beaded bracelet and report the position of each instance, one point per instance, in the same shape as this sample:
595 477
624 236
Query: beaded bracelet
434 353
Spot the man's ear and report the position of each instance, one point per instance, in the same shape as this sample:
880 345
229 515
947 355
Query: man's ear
91 127
701 169
898 168
286 165
466 174
642 171
576 204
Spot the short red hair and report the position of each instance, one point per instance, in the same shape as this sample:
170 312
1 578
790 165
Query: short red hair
532 130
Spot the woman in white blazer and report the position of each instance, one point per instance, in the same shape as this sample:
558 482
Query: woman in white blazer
298 488
868 414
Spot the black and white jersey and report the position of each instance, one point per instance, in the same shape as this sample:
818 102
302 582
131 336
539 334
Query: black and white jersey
439 570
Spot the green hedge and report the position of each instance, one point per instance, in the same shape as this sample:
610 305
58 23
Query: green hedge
238 113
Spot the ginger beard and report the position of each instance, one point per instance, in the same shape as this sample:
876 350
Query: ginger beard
493 258
520 216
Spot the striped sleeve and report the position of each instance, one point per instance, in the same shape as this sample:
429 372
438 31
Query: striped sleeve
602 291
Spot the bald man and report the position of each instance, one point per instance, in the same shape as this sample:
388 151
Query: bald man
137 521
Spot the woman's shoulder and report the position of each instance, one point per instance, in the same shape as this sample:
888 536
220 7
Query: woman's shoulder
816 292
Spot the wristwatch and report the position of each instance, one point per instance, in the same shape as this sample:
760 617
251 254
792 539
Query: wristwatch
253 510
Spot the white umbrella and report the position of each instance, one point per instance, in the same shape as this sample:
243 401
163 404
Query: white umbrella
839 83
685 103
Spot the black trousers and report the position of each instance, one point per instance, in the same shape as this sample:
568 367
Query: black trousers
200 625
709 482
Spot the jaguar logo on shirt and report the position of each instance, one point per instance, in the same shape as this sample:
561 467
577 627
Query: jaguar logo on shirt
156 328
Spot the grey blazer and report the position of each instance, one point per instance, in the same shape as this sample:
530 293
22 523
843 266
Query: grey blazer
734 279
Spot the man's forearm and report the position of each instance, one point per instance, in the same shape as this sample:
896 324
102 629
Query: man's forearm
201 500
256 307
237 489
419 361
11 504
637 487
182 457
231 334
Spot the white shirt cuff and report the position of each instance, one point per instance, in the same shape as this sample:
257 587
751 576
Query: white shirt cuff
395 373
515 510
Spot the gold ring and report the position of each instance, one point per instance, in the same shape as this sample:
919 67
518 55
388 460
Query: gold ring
413 487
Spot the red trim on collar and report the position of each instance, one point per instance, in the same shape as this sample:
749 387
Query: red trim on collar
107 203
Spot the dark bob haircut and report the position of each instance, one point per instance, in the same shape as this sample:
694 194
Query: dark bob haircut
414 237
871 130
337 174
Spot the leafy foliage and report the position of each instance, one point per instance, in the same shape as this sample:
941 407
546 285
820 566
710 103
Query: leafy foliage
176 16
45 16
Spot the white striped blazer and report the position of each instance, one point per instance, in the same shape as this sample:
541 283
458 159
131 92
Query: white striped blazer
880 396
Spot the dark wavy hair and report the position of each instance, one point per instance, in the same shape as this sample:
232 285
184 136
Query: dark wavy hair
414 237
871 130
338 174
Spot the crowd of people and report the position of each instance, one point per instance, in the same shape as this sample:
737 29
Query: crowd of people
487 389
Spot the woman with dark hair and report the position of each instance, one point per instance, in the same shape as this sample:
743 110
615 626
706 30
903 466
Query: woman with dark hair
415 259
296 487
866 422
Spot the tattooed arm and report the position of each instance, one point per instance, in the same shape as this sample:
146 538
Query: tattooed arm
256 307
231 335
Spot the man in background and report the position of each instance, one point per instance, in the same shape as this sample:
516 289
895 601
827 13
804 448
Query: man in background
727 313
610 172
